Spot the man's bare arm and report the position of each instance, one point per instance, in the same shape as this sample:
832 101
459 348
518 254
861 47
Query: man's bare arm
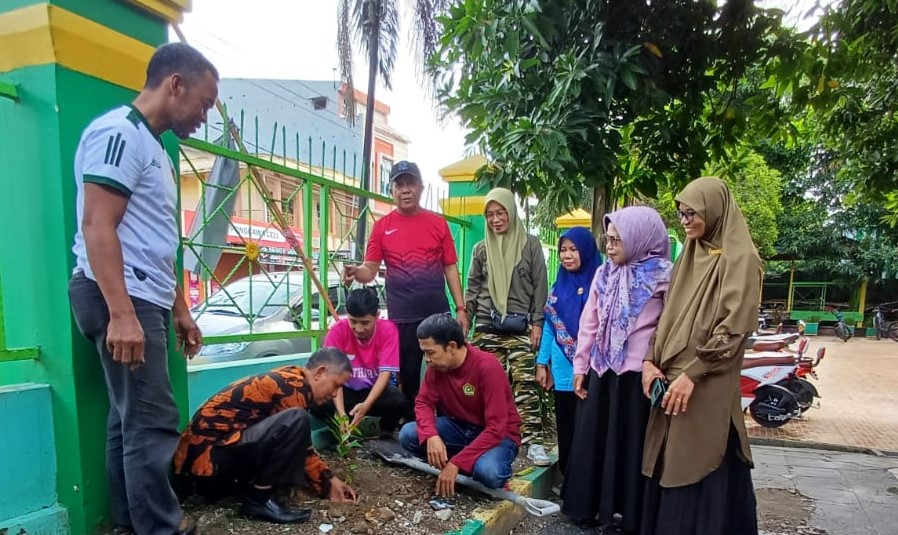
104 209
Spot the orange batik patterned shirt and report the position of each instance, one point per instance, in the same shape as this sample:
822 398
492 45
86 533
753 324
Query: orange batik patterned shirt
222 419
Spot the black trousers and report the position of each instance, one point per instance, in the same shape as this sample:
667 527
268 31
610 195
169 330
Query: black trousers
410 359
142 423
391 406
565 412
272 452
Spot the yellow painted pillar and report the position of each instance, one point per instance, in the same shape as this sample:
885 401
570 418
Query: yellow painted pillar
466 200
862 303
791 286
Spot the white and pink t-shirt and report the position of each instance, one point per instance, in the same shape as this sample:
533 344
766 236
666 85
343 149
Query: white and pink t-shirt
378 354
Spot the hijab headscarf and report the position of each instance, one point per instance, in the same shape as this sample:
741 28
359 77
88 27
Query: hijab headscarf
570 292
624 289
503 251
716 283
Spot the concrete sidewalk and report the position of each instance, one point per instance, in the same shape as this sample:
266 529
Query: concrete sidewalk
801 492
852 493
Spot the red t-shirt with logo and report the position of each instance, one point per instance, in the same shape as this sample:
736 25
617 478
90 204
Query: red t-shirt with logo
378 354
415 248
476 392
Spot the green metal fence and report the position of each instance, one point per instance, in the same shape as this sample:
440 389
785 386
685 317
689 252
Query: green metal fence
256 299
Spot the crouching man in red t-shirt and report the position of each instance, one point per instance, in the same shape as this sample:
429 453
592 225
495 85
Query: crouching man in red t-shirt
466 417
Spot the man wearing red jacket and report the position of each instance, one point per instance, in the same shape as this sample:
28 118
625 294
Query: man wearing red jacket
466 418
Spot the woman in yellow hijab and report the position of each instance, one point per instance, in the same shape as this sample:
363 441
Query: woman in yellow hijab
506 295
696 449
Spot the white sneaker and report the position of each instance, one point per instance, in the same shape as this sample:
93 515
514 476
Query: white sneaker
537 454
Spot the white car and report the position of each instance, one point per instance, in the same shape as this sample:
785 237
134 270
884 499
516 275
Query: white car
268 303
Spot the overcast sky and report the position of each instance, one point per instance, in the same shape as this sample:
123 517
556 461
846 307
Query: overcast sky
290 39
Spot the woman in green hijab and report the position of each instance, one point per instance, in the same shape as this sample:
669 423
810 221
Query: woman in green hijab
696 450
507 290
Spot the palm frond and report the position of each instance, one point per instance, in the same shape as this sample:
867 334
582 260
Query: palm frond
345 53
427 30
388 43
381 30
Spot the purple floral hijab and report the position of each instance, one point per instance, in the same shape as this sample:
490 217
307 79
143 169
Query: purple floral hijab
625 289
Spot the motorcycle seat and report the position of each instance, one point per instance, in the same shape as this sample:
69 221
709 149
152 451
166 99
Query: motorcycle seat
780 359
767 345
786 338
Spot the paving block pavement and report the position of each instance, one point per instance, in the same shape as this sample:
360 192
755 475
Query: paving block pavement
858 385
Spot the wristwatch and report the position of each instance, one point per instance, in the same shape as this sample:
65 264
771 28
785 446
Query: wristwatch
461 308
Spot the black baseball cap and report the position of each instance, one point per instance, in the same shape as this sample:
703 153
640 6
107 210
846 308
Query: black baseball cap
404 168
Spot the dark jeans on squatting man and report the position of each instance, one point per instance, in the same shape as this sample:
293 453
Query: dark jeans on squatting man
492 469
142 425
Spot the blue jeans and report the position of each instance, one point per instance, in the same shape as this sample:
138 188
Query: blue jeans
492 469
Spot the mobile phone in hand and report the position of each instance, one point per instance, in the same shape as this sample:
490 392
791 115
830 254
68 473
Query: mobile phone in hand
657 391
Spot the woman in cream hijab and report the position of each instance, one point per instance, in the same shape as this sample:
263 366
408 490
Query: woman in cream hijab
696 450
507 290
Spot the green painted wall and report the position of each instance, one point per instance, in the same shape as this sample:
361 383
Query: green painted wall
37 197
119 15
38 138
465 240
28 478
467 189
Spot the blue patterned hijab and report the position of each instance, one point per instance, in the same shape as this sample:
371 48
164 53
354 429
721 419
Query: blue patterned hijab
571 289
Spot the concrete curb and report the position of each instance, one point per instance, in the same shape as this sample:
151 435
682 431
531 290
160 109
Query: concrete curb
844 448
503 517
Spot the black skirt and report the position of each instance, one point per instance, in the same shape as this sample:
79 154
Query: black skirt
723 503
604 473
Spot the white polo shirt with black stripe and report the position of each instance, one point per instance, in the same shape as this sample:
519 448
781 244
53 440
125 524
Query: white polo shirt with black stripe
118 150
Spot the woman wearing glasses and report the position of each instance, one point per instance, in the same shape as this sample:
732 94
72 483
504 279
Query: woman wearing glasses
507 290
696 450
625 300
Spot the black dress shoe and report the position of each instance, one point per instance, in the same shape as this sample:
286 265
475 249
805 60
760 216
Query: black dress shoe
272 511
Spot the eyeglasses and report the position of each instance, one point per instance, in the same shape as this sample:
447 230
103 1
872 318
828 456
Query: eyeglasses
496 214
611 240
688 214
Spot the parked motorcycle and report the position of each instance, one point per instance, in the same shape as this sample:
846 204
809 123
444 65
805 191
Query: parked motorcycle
798 384
774 385
770 403
841 329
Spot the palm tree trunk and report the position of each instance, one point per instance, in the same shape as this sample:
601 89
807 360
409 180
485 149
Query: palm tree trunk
373 44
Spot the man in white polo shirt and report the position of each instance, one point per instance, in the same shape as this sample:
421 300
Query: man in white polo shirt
124 292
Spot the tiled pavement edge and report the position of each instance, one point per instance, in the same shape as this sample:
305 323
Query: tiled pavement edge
501 518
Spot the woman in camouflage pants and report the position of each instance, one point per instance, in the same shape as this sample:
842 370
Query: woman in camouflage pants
505 299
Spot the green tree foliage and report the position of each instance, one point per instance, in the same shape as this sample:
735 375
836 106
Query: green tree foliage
565 95
857 42
828 228
757 189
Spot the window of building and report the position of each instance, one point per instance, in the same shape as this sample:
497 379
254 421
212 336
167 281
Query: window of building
319 103
386 165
